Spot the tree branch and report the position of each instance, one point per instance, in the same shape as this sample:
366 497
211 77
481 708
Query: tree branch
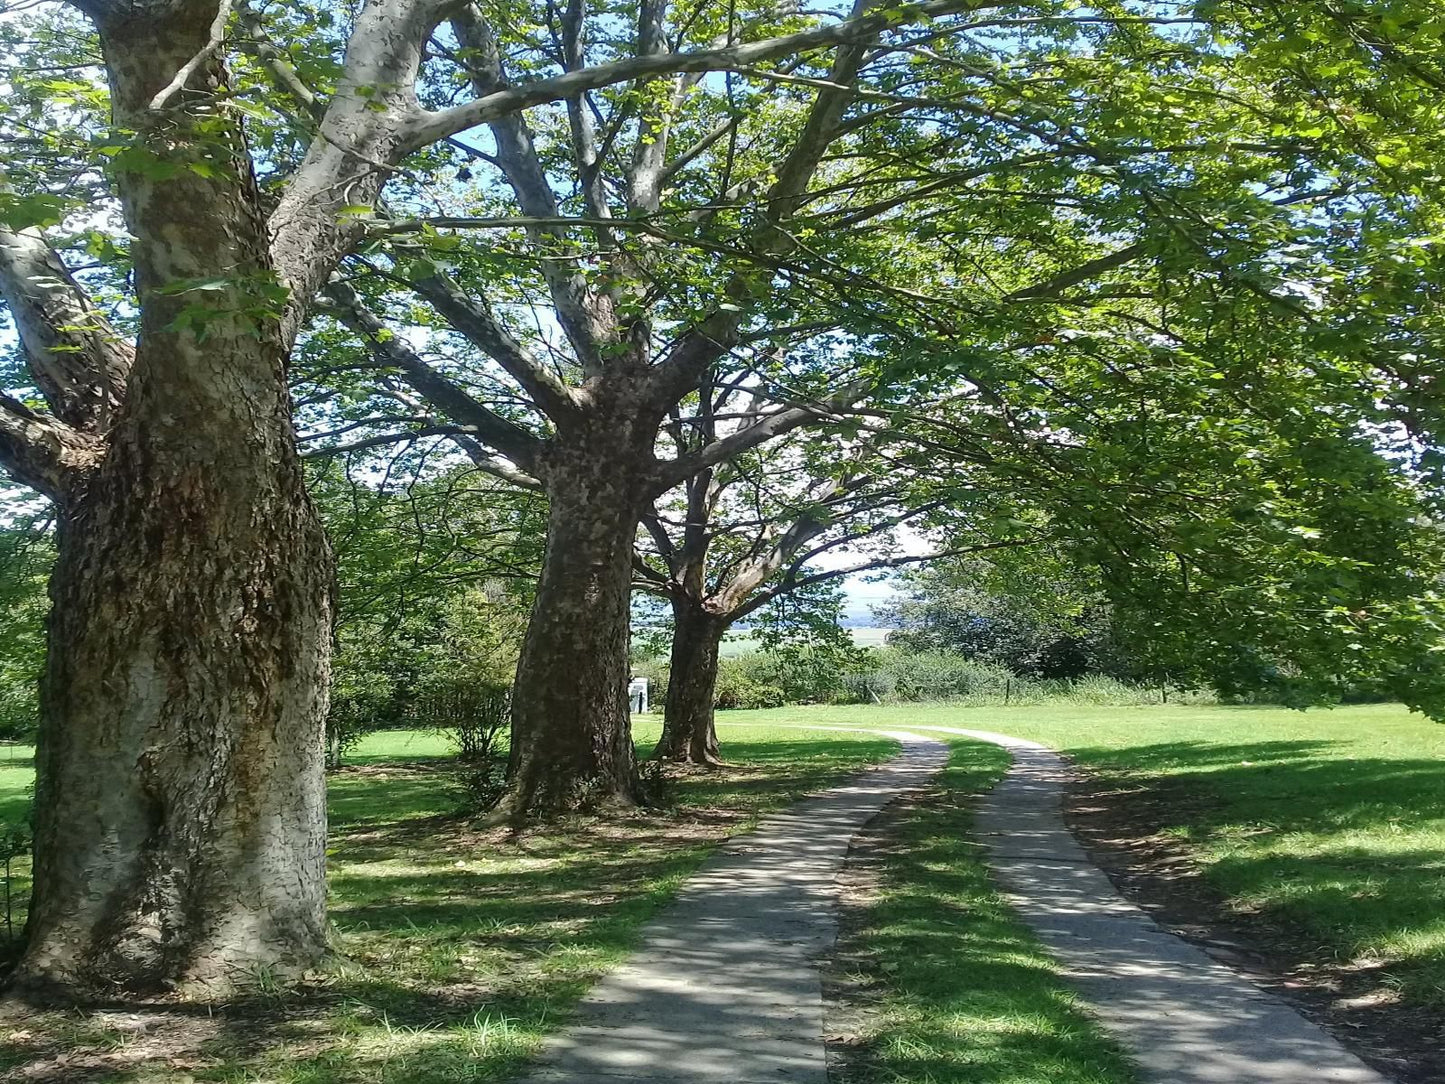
78 360
507 437
474 320
1083 273
359 142
669 473
461 436
189 68
46 454
580 123
430 127
718 332
649 151
517 156
279 68
792 583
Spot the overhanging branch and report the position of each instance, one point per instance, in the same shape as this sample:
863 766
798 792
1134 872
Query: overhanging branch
430 127
497 432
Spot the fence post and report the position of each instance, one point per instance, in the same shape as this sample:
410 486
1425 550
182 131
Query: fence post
1008 689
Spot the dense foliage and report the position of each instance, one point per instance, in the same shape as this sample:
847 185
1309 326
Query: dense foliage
26 554
434 580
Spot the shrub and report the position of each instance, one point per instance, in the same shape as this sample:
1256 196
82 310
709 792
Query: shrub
19 715
359 705
761 679
800 674
1103 690
482 783
739 687
896 674
472 716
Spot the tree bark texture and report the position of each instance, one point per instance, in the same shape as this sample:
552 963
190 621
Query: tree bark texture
571 732
180 799
689 731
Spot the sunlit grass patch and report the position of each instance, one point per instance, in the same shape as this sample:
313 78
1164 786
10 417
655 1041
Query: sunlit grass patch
460 946
955 988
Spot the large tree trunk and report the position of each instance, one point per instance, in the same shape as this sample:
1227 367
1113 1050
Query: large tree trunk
689 731
180 800
571 732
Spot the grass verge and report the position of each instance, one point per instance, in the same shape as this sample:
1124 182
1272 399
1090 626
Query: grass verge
1316 840
936 981
464 946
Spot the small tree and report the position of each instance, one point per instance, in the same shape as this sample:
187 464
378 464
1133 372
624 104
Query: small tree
748 538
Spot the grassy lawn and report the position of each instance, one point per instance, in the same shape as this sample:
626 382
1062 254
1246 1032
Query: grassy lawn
463 946
959 990
1326 825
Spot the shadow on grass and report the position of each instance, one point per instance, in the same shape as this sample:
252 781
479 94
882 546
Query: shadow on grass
1344 854
464 946
965 992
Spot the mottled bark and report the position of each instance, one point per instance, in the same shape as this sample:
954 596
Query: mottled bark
571 733
689 731
180 815
180 806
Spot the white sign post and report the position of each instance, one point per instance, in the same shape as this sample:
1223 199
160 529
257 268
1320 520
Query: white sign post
637 694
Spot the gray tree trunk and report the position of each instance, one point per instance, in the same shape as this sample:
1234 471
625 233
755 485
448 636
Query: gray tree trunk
689 730
571 733
180 799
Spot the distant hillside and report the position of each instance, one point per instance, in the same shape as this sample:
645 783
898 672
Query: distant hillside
858 614
740 643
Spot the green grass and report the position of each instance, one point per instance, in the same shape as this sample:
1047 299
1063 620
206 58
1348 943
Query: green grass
1325 827
961 992
400 745
17 773
463 946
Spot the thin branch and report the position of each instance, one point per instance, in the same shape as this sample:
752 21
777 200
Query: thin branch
461 435
506 436
475 321
189 68
1083 273
873 565
669 473
430 127
276 64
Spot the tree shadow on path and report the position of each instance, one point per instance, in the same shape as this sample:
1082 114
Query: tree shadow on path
1320 871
